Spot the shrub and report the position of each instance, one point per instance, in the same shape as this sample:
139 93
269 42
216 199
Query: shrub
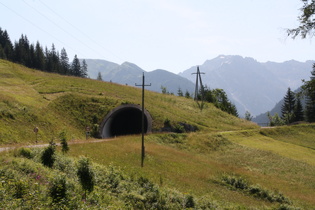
25 152
58 189
254 190
20 189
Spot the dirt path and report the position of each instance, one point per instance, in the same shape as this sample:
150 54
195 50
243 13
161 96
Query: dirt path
2 149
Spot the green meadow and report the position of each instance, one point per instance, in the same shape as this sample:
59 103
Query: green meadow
229 163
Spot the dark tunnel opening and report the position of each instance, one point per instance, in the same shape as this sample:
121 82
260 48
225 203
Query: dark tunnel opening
125 120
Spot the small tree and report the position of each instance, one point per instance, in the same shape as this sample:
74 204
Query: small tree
48 155
287 109
63 142
275 120
164 91
84 69
86 175
99 76
180 92
248 116
187 94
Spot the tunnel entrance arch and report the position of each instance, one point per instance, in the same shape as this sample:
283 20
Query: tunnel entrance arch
125 120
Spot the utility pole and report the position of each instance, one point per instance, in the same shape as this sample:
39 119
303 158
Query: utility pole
142 144
198 78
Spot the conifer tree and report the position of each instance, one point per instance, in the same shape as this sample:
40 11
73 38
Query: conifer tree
39 60
64 62
187 94
76 67
84 70
309 89
180 92
54 59
6 45
287 109
99 76
298 111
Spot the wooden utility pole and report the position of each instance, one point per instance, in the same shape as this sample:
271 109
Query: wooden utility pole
142 144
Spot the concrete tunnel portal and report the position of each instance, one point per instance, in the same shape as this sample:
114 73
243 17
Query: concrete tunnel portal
125 120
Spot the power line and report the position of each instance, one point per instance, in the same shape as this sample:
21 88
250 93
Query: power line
80 31
59 26
27 20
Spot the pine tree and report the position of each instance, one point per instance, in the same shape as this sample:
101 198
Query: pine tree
6 45
39 60
287 109
48 62
76 67
187 94
298 111
180 92
54 59
84 70
64 62
309 89
99 76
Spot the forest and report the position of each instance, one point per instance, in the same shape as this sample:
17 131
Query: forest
34 56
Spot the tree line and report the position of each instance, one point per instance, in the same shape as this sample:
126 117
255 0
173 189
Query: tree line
34 56
216 96
292 108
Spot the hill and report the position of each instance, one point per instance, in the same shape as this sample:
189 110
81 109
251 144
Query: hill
128 74
252 86
52 102
228 164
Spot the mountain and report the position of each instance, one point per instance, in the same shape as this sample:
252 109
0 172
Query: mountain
128 74
251 85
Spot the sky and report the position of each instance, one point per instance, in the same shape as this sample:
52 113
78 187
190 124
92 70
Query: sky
160 34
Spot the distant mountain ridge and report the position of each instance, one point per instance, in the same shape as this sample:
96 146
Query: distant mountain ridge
128 74
251 85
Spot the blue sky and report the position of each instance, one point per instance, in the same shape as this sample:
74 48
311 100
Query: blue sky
160 34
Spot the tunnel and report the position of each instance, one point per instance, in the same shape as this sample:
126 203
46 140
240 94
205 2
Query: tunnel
125 120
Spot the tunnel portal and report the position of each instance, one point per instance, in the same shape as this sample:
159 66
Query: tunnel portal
125 120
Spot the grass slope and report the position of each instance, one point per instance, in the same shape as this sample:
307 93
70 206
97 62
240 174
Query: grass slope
30 98
229 163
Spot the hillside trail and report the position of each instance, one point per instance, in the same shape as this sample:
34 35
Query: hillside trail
2 149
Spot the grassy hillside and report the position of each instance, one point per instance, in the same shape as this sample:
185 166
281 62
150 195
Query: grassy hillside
30 98
228 164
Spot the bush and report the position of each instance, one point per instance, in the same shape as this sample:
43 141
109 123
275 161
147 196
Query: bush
58 189
25 152
254 190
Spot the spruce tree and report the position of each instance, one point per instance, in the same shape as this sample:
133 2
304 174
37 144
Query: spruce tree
180 92
309 89
39 62
287 109
99 76
64 62
298 111
84 70
54 58
76 67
